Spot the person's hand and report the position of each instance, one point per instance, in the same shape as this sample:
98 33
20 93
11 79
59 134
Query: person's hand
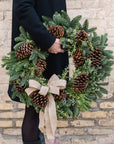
56 47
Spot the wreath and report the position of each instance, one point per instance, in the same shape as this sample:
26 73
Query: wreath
92 62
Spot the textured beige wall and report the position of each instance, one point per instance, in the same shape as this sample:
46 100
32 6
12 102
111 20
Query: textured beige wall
92 127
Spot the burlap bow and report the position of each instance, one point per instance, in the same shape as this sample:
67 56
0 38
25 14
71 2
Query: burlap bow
49 116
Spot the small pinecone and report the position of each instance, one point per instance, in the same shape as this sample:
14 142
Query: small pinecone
39 100
41 65
82 36
80 83
61 96
19 89
95 57
78 58
24 51
57 31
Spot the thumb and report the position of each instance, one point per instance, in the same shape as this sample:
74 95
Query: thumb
60 50
58 41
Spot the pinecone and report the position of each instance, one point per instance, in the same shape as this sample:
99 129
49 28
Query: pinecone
39 100
82 36
57 31
24 51
41 65
80 83
78 58
19 89
61 96
95 57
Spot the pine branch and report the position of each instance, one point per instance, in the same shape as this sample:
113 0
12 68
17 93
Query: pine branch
75 21
23 32
86 25
91 30
18 45
65 16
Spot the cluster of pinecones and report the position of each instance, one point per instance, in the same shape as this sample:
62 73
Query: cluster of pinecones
80 83
82 36
78 58
24 51
39 100
57 31
95 57
41 66
19 89
62 95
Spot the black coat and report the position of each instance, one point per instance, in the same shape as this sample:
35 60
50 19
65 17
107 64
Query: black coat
28 13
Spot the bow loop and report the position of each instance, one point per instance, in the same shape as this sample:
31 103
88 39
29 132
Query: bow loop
34 84
54 86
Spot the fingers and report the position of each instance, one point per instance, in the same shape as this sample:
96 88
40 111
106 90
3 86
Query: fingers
59 47
60 50
58 42
56 51
56 48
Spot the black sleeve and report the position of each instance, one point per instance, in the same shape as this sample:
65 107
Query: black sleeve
31 22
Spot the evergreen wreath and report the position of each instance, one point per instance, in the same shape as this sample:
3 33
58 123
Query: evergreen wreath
91 59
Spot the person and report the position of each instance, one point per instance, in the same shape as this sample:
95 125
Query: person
28 13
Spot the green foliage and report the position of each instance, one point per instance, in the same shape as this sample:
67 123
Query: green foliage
65 73
65 16
46 19
37 54
75 21
18 45
91 30
86 25
23 33
75 102
23 68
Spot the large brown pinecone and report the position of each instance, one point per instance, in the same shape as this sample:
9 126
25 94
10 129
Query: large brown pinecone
61 96
82 36
57 31
41 66
95 57
80 83
78 58
24 51
19 89
39 100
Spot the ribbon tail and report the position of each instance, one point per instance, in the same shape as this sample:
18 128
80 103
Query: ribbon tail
51 118
41 121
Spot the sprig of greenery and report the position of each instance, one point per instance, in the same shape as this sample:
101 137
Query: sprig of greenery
75 102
